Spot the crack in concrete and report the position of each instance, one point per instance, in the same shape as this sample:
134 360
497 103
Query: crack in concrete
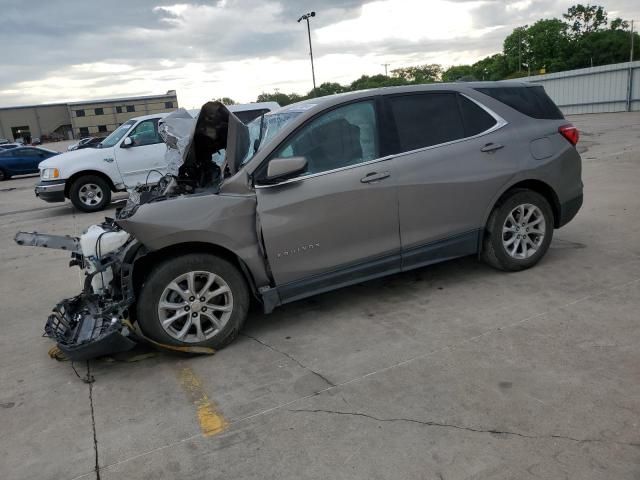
469 429
90 380
319 375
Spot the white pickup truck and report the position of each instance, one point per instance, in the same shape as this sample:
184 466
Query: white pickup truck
133 154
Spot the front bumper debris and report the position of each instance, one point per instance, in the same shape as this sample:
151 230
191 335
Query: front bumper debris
83 328
95 322
33 239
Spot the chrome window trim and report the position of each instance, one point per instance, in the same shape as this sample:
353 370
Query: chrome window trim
500 122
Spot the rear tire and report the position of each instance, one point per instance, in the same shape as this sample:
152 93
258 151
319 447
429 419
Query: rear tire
519 231
90 193
193 300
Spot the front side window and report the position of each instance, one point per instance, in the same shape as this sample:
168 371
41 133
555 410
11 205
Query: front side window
426 119
145 133
341 137
117 135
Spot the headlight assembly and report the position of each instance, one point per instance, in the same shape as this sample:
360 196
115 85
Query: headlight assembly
49 173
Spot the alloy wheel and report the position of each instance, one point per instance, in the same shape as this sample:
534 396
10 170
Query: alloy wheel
523 231
195 306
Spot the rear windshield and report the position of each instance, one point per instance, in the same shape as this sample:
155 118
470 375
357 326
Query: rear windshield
531 101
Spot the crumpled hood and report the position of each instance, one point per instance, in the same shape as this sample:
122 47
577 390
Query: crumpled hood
191 149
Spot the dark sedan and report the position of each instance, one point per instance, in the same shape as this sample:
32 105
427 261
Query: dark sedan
22 160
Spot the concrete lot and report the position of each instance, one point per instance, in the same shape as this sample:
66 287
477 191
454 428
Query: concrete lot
450 372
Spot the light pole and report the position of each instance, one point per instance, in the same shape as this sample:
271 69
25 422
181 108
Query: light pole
306 17
385 65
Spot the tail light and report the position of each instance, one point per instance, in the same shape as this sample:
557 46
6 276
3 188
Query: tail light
571 133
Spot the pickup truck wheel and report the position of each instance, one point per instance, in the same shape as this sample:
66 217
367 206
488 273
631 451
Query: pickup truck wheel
193 300
518 232
90 193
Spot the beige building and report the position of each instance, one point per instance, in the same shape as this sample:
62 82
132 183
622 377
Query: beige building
79 119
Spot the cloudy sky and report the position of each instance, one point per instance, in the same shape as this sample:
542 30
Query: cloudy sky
62 50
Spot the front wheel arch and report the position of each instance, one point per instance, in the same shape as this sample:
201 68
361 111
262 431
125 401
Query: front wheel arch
144 263
83 173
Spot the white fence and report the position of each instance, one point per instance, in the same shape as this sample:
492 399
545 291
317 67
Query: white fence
609 88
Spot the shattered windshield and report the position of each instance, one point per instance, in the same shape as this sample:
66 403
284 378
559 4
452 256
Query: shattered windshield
117 135
271 125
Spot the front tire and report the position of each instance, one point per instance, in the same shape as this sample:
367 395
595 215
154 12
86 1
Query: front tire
193 300
90 193
519 231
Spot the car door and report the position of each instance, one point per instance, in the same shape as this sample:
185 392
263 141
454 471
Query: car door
143 160
453 159
25 160
336 223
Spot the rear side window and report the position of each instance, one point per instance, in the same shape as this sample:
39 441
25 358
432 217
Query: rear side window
426 119
531 101
476 119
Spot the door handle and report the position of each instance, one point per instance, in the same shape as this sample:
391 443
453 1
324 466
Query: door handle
491 147
374 177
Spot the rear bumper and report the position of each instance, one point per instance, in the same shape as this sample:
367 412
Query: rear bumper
569 209
52 191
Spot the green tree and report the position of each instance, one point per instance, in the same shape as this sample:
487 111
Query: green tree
602 48
282 98
419 74
549 45
458 72
493 67
516 49
327 88
375 81
619 24
583 19
226 100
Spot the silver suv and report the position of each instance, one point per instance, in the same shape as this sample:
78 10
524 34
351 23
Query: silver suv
316 196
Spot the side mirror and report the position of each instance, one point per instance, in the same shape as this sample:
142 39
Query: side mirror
280 168
128 142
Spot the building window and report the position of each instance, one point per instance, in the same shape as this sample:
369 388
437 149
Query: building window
131 108
118 109
99 111
79 113
102 128
84 131
168 104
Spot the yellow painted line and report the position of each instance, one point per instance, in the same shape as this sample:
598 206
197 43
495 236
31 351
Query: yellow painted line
211 421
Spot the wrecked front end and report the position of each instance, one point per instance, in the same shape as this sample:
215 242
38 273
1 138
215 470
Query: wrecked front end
99 320
95 322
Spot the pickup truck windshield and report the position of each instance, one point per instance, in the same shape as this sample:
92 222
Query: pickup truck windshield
271 125
117 135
